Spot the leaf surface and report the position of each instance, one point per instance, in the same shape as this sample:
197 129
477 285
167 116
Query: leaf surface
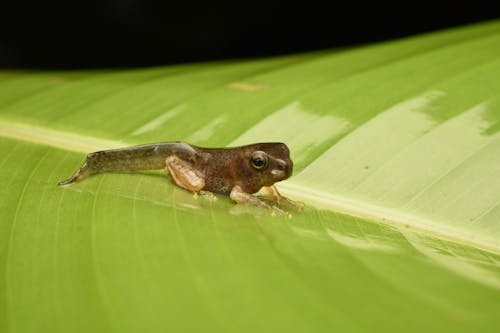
397 155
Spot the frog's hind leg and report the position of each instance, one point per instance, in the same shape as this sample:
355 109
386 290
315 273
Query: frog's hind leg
184 175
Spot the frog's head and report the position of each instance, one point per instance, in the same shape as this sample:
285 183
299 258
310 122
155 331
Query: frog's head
269 162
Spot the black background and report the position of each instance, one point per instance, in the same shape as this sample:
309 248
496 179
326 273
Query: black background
136 33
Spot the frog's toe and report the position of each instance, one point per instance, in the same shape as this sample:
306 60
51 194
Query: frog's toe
209 195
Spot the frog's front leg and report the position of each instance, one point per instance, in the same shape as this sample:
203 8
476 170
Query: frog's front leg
274 195
184 175
238 195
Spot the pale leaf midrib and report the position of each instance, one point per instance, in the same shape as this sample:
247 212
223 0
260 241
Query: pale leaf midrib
55 138
86 144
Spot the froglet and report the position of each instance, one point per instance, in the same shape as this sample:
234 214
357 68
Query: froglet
238 172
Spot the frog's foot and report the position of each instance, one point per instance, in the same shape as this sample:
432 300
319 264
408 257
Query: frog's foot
209 195
238 195
205 194
280 212
275 196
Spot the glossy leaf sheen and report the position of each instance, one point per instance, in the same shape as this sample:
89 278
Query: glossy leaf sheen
397 151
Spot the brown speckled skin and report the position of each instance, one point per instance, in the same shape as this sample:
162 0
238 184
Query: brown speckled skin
225 168
221 168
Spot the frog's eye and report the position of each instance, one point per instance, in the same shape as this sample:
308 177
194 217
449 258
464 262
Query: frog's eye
259 160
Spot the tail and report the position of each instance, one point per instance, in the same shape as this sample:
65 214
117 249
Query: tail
98 162
81 173
143 157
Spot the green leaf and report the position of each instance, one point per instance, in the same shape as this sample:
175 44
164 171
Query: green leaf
397 156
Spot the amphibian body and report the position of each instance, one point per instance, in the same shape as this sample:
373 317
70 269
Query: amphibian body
238 172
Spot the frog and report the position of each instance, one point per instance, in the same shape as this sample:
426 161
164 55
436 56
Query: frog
238 172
